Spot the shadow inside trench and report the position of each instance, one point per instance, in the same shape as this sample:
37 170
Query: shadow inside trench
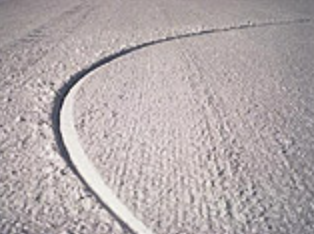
74 79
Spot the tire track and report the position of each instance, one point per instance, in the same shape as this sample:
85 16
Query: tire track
68 140
37 44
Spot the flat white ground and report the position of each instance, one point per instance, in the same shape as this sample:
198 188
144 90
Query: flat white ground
208 134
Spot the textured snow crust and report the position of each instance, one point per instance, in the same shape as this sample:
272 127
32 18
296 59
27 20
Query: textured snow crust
206 134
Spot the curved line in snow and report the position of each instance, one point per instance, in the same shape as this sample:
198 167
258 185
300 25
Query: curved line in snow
68 139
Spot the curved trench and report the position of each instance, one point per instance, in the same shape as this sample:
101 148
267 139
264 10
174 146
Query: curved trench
68 140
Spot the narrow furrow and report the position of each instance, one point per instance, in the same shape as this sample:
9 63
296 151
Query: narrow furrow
68 138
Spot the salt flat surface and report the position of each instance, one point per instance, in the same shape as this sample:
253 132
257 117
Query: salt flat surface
212 134
206 134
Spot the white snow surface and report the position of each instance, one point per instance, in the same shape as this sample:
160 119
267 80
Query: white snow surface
198 115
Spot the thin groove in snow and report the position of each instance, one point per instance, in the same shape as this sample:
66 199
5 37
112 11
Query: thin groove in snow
68 140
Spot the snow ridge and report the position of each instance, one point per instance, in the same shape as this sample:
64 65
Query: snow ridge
68 140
